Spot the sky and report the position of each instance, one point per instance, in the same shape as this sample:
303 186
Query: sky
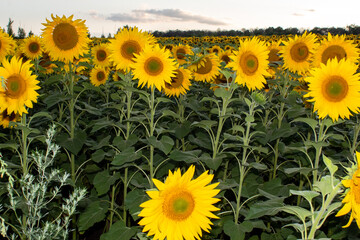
106 16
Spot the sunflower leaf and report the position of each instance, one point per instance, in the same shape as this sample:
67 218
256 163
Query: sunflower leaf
119 231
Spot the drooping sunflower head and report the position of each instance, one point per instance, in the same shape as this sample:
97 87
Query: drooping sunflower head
32 47
335 46
206 68
180 51
181 207
180 83
47 65
65 38
126 44
225 56
297 52
100 55
6 118
20 86
250 63
335 89
7 44
99 76
154 67
352 198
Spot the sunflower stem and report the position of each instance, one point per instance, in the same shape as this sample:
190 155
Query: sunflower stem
152 128
125 193
355 143
318 149
24 146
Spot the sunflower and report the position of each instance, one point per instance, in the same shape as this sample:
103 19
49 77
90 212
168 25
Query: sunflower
19 88
215 49
7 44
98 76
206 68
6 118
297 52
180 83
274 49
32 47
46 64
335 89
65 38
224 56
181 207
250 63
154 67
335 46
128 42
100 55
352 197
180 51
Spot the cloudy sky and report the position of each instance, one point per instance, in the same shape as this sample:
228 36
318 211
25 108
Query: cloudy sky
106 16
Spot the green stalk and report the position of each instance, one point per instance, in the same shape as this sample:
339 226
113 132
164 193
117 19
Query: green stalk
24 146
113 190
356 135
152 128
318 149
125 193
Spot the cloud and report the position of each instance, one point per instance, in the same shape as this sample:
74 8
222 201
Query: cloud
158 15
297 14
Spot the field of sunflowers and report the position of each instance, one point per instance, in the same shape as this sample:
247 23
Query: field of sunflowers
137 137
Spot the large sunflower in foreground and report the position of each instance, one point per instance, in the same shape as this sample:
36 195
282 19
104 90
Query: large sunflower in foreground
180 51
181 207
20 86
154 67
32 47
335 89
298 51
98 76
65 38
128 42
352 197
7 44
180 83
335 46
206 68
100 55
250 63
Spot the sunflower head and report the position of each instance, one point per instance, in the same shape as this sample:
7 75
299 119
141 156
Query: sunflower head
335 89
32 47
180 83
65 38
126 44
100 55
6 118
206 68
7 44
98 76
180 51
181 207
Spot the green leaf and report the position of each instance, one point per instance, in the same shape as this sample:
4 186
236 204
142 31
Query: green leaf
119 231
206 124
162 99
98 156
210 99
41 114
168 112
309 121
103 181
267 208
182 130
308 195
237 231
94 213
300 212
73 145
9 145
165 144
128 155
212 163
324 185
222 93
299 227
122 144
188 156
133 201
332 167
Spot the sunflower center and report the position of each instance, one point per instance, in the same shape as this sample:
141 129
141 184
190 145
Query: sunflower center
249 63
178 206
180 53
15 86
65 36
299 52
273 55
45 61
34 47
176 81
100 76
335 88
101 55
128 48
206 68
332 52
153 66
225 58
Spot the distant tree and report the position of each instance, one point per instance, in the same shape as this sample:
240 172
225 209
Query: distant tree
10 31
102 36
109 36
21 33
30 34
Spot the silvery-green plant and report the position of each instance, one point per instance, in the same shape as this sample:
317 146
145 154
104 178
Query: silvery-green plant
34 197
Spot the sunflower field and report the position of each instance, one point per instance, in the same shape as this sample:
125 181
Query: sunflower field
137 137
